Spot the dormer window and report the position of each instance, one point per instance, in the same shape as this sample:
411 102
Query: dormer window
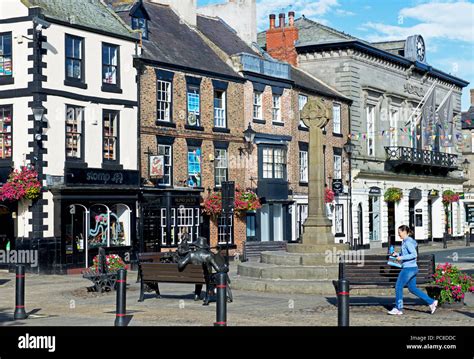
139 23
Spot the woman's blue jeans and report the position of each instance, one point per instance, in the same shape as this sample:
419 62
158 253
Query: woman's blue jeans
407 278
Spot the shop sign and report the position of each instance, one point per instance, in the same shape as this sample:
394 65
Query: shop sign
185 201
93 176
375 191
337 186
157 164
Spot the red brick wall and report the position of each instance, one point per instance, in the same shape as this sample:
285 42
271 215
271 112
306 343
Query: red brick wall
281 44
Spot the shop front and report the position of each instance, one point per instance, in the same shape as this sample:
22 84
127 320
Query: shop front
167 215
95 208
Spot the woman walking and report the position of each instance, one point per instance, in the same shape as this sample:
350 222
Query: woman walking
407 276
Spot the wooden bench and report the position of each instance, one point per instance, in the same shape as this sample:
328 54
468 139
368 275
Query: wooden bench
372 272
152 272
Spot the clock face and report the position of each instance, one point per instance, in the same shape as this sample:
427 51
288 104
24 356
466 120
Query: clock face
420 49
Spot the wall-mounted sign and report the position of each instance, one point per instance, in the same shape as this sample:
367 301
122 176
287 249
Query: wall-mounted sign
157 164
433 193
375 191
93 176
337 186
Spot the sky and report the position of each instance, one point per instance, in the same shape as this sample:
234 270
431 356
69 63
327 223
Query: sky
446 25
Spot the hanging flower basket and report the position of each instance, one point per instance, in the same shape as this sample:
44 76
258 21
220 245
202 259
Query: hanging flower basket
245 201
450 284
21 184
393 195
450 197
328 195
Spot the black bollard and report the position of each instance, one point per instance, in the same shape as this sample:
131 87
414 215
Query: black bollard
445 240
343 303
20 312
121 309
221 303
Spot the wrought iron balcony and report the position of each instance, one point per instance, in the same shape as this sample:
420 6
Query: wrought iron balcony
408 159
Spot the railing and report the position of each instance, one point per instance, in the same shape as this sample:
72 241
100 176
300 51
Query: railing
413 156
272 68
219 117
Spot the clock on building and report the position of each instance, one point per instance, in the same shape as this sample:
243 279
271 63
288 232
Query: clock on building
420 49
415 48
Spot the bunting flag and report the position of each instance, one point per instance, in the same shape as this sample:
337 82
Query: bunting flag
445 120
428 114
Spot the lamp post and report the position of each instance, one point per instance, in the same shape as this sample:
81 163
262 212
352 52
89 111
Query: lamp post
466 166
349 148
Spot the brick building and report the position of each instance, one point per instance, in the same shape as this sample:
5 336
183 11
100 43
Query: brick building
191 121
277 164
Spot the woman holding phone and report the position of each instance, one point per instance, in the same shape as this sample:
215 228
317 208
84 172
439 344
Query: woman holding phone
407 276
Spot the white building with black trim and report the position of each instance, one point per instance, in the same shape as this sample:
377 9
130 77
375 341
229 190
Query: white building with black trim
71 62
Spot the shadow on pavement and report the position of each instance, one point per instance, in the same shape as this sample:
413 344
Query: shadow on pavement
4 281
469 314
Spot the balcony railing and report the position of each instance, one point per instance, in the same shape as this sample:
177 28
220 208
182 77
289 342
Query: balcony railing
414 158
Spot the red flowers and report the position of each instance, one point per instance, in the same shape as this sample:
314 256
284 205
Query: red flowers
453 282
450 197
244 201
21 183
328 195
113 261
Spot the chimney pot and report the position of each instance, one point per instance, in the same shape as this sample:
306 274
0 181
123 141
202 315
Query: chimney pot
272 21
282 20
291 18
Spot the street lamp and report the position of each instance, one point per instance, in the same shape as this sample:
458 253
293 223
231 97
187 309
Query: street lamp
349 148
465 165
38 113
249 136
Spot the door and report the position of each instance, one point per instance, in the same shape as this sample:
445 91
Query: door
360 220
374 218
411 213
391 223
75 236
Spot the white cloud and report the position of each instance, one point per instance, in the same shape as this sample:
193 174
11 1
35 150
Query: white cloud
309 8
437 20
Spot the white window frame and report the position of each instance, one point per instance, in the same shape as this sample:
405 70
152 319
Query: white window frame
168 163
336 118
257 105
220 120
221 235
394 123
370 114
303 166
339 219
221 166
163 100
302 101
276 109
337 162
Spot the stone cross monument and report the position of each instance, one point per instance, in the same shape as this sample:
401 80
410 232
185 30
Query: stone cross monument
317 227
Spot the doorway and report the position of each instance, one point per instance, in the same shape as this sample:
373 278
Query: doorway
7 228
360 220
374 218
391 223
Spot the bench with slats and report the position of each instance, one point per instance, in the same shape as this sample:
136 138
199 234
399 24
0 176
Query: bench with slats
152 272
373 271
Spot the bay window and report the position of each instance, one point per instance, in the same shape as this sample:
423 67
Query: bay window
274 163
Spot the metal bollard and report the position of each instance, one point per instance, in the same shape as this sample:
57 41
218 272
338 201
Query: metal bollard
221 302
20 312
343 303
445 240
121 309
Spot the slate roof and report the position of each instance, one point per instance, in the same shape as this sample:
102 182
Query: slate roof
228 41
93 14
172 42
467 119
307 33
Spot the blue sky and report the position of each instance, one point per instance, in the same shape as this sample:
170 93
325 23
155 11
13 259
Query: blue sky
446 25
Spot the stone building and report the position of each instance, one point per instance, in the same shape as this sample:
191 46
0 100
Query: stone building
277 159
191 126
71 115
394 149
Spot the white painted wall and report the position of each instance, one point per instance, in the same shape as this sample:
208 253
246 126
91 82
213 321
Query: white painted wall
12 8
241 15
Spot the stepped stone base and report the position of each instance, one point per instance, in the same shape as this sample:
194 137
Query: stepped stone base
315 248
272 271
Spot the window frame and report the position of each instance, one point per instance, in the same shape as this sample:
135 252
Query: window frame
370 114
165 165
337 154
303 172
224 169
159 101
336 130
197 88
300 108
342 233
81 138
276 109
223 108
4 134
110 87
117 135
274 164
259 105
73 81
191 147
6 79
144 30
221 226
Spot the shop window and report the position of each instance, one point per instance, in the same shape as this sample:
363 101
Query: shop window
109 226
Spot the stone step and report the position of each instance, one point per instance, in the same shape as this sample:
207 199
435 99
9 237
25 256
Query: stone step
315 287
296 259
272 271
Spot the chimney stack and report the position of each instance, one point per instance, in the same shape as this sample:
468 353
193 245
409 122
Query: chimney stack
282 20
472 97
291 18
272 21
